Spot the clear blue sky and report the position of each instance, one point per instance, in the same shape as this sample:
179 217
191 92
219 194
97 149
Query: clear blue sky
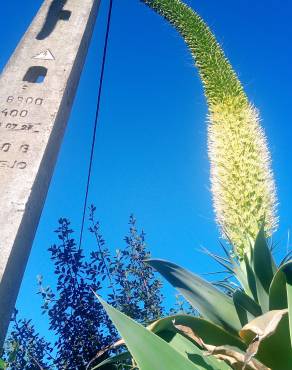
151 156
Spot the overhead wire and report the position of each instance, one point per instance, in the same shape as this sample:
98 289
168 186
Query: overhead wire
100 87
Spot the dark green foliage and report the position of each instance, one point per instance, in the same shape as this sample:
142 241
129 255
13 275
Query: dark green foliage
77 320
201 294
25 348
134 281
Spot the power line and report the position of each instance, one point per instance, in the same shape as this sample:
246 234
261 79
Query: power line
96 118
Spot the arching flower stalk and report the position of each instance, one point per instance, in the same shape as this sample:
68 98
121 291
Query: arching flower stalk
242 183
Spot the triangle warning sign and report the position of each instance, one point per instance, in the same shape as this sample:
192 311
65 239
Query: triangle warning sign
45 55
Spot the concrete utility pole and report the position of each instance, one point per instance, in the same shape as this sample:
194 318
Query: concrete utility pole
37 88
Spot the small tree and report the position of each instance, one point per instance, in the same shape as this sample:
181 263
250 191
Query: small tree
137 289
81 326
26 349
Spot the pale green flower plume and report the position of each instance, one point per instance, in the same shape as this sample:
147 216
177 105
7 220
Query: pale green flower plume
242 182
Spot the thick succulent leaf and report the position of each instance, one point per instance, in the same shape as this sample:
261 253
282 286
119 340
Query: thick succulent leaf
275 351
263 261
289 298
286 259
264 268
213 304
227 287
192 352
268 338
250 277
230 355
247 308
281 291
149 351
277 294
289 294
236 358
224 262
263 326
209 332
241 276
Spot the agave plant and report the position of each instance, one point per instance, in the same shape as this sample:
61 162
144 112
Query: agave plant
247 325
235 330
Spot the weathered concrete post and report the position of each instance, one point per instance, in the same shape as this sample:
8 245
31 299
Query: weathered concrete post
37 88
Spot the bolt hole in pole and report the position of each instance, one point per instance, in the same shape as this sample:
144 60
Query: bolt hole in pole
35 74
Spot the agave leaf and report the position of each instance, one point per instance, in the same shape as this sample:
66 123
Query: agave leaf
246 307
281 291
288 273
237 268
192 352
210 333
241 275
251 279
211 302
287 258
149 351
225 285
236 358
264 268
230 355
275 351
277 293
289 297
166 329
263 261
224 262
227 254
269 340
263 326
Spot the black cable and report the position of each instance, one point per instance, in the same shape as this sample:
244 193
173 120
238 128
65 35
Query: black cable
96 119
